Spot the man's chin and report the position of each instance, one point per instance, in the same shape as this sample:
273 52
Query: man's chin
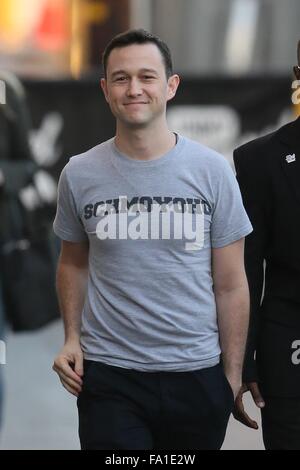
136 123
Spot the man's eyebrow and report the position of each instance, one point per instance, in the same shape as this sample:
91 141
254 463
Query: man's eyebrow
118 72
121 71
149 71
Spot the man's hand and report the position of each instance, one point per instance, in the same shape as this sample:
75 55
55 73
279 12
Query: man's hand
235 384
69 367
239 411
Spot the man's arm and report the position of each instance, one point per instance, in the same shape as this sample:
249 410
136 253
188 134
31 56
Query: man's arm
250 167
72 274
232 300
255 198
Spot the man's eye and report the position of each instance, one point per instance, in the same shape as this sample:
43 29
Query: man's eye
120 79
148 77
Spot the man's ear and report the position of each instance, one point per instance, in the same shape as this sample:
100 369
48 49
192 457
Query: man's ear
297 72
173 83
297 68
103 84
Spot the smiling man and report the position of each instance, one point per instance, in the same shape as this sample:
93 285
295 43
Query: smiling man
151 278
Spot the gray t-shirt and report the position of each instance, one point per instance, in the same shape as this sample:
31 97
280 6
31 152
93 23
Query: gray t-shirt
151 225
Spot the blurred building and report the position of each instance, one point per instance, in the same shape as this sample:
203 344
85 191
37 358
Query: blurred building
56 38
229 36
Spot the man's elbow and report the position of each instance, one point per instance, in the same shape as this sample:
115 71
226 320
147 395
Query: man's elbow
231 286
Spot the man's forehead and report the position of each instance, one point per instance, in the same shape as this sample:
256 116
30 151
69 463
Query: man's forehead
141 56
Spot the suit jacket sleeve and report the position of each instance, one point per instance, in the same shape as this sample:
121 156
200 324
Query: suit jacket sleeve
253 188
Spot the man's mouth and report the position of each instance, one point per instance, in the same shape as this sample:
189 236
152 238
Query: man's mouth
135 103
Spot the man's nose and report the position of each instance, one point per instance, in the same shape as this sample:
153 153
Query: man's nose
134 88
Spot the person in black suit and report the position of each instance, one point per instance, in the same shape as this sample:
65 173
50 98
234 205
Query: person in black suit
268 172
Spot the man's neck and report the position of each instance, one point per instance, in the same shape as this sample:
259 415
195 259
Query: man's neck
145 144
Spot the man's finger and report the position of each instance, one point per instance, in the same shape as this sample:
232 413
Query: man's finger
240 414
70 389
63 367
79 365
70 382
245 419
256 395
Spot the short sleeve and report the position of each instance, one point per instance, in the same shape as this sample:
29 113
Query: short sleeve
67 224
229 220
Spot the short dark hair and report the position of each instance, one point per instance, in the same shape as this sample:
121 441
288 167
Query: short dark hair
138 36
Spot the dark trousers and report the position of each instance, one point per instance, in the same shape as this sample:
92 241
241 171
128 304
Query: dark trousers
126 409
281 423
279 377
